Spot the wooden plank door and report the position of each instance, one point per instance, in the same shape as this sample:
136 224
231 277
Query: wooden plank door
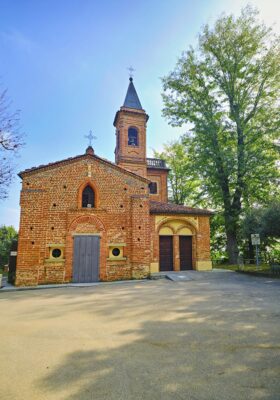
86 258
185 244
166 253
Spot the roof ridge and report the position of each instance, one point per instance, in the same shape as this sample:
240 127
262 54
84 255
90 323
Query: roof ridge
157 207
70 159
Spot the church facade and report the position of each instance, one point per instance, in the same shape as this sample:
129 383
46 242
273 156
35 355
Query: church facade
86 219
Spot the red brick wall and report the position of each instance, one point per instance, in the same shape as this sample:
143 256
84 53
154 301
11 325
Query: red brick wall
51 213
203 239
140 236
159 176
132 158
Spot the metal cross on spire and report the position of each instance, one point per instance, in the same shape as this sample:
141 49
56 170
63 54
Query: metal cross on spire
131 70
90 137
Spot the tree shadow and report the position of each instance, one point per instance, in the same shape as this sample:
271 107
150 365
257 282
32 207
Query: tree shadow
180 346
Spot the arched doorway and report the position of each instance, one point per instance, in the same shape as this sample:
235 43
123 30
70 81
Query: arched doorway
176 246
85 250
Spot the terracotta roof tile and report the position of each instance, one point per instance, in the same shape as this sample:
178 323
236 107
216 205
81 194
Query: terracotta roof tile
157 207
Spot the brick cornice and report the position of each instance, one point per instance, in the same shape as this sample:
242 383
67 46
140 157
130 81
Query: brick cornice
129 111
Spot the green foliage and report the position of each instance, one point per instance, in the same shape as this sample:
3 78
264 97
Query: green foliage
187 187
218 237
252 223
227 91
271 221
7 235
266 222
183 184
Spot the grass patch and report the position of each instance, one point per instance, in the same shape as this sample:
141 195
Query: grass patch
261 270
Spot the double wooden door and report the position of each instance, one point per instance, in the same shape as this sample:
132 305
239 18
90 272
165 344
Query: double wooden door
166 253
86 258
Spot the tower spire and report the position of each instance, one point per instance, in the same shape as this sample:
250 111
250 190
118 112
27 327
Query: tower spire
131 99
130 123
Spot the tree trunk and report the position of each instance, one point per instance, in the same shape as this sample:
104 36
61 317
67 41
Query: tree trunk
232 247
251 252
231 225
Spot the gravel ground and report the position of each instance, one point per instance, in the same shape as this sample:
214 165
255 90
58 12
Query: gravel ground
216 336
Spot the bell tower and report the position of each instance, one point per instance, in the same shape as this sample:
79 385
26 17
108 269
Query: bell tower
130 123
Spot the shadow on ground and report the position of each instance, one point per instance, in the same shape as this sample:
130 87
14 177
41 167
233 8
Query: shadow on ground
167 340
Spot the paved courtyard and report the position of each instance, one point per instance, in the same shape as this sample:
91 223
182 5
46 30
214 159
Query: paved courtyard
216 336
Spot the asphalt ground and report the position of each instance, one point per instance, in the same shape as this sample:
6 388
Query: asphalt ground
214 336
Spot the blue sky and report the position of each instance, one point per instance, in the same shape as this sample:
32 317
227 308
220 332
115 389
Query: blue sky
65 66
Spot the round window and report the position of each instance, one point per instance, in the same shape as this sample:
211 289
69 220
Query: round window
116 252
56 253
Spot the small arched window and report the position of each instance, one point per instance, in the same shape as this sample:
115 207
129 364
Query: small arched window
132 137
88 197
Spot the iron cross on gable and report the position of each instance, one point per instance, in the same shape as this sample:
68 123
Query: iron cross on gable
131 70
90 137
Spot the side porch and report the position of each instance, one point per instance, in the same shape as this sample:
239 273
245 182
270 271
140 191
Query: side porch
180 243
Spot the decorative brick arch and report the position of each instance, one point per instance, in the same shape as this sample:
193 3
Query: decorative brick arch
84 224
188 226
166 225
86 219
185 224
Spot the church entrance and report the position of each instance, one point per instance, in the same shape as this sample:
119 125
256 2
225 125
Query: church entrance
185 245
86 258
166 253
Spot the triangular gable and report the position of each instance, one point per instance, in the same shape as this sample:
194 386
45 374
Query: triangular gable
78 158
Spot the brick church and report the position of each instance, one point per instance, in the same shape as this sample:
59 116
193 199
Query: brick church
86 219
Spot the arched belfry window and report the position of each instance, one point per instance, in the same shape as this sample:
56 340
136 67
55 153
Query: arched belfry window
132 137
88 197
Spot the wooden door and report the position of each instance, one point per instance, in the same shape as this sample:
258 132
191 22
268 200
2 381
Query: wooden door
185 244
86 258
166 253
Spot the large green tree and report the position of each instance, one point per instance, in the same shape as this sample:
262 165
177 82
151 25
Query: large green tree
227 90
183 184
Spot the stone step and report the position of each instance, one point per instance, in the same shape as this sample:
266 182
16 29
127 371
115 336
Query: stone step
179 276
175 276
158 275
